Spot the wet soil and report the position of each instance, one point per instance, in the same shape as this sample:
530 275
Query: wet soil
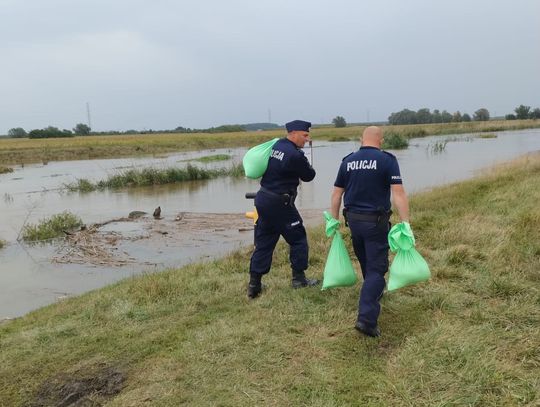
117 242
89 386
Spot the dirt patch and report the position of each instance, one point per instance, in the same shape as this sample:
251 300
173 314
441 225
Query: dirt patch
117 242
86 387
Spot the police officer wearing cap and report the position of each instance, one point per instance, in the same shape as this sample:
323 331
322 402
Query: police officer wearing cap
367 179
278 215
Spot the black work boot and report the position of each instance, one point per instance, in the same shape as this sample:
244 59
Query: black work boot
368 330
299 280
254 286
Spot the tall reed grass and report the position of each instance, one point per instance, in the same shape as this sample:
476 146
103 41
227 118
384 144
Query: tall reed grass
52 227
154 176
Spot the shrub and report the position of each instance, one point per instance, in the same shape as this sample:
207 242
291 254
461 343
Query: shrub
52 227
394 141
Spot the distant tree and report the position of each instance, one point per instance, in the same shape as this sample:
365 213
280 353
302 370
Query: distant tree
456 117
81 129
226 128
436 116
446 117
522 112
339 121
481 115
404 116
49 132
17 132
423 116
510 116
466 117
260 126
535 114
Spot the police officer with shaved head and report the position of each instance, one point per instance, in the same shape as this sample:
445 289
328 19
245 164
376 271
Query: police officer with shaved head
367 179
278 215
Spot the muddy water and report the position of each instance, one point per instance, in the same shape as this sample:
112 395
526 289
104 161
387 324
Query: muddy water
28 279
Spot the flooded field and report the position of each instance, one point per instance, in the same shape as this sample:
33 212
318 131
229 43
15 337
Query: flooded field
200 219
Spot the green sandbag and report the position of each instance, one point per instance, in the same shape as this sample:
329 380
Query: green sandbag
255 161
332 224
338 270
408 267
401 237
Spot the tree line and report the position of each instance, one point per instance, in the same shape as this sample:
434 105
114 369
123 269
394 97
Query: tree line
523 112
424 116
405 116
82 129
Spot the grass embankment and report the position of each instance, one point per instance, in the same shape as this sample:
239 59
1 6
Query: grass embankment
154 176
469 337
17 151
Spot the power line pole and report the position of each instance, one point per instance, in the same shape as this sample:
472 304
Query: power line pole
88 114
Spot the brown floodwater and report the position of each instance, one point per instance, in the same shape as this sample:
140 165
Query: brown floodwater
30 277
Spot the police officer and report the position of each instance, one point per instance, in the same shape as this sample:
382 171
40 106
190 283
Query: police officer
278 215
367 177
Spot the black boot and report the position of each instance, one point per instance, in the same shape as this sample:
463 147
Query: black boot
254 286
368 330
299 280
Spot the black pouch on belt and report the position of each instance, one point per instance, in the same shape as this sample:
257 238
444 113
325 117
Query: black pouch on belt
289 198
384 216
286 198
345 216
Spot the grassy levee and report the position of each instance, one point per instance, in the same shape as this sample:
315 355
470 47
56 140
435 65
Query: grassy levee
17 151
469 337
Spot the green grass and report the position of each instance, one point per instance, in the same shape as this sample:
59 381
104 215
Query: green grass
50 228
395 141
17 151
154 176
487 135
468 337
2 243
437 147
5 170
338 138
212 158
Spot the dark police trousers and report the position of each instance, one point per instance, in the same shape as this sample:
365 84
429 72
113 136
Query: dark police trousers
277 219
370 242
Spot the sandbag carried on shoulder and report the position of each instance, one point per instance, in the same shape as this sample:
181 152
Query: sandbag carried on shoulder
408 266
338 270
255 161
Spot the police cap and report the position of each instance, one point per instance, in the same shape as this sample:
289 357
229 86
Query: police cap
297 125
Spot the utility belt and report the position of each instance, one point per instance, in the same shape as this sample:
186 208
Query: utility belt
287 198
380 217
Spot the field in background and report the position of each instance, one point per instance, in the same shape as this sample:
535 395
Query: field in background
468 337
18 151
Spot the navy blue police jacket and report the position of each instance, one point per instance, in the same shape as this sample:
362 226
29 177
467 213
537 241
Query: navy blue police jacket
286 166
366 176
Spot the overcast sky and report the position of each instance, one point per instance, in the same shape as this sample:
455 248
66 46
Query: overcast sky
159 64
